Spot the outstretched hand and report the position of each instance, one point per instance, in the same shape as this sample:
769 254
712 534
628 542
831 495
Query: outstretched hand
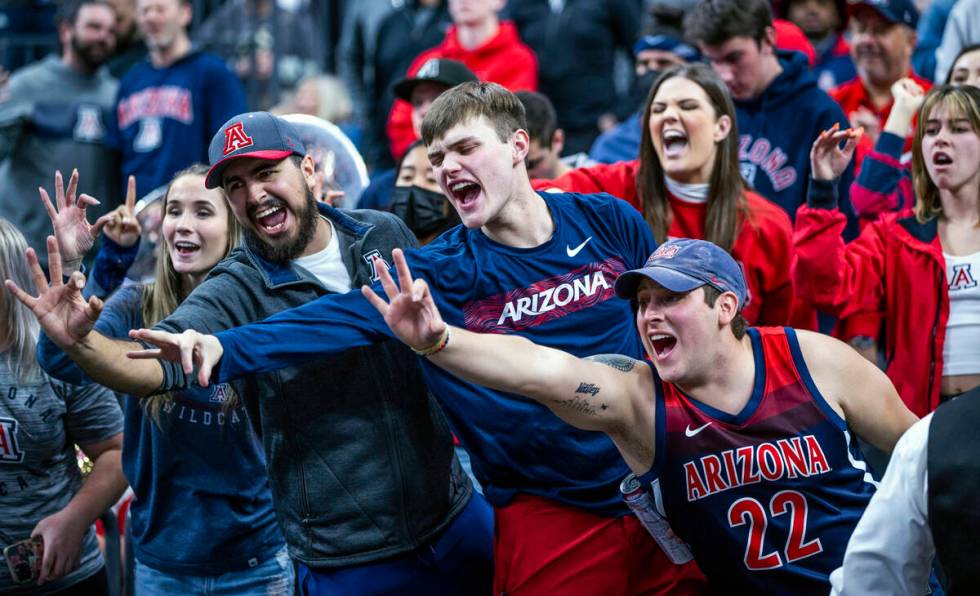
410 312
190 348
63 313
71 227
828 159
121 225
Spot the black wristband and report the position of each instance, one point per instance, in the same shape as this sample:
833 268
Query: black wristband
822 194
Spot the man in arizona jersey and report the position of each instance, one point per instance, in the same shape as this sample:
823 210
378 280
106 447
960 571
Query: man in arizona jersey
539 265
745 429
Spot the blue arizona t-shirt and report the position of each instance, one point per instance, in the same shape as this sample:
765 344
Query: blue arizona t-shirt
559 294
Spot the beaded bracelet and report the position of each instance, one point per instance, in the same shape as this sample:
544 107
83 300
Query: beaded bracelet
436 347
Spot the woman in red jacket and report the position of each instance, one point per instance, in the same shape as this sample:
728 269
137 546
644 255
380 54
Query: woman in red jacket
687 184
918 267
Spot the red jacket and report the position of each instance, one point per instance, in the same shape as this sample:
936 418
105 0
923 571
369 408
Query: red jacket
502 59
764 247
895 268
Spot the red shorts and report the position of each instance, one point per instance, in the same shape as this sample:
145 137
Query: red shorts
544 547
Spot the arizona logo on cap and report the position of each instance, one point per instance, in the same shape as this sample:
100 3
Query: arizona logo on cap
429 70
665 251
236 138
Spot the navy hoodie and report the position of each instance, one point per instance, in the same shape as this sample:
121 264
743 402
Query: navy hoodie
776 130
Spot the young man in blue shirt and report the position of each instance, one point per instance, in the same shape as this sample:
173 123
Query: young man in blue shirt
537 265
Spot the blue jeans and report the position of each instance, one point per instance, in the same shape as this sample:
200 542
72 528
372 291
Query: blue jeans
458 562
272 576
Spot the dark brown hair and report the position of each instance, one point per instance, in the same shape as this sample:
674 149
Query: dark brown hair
739 324
713 22
472 100
727 206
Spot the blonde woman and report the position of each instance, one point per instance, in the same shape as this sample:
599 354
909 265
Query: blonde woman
41 489
918 266
202 514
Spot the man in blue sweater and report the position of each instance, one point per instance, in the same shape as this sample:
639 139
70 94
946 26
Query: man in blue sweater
170 104
778 106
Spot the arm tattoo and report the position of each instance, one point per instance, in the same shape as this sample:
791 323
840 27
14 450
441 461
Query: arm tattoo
580 404
617 361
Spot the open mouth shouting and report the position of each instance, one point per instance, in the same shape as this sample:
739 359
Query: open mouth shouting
186 249
271 218
464 193
940 158
663 344
674 142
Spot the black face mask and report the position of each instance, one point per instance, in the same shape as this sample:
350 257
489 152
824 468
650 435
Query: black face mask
641 88
423 211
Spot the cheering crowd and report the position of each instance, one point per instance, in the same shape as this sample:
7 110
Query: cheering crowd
709 326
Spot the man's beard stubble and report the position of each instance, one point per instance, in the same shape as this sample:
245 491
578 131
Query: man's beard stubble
92 55
282 254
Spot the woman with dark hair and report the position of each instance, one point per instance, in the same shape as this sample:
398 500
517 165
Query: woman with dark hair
966 67
202 515
918 266
417 198
687 184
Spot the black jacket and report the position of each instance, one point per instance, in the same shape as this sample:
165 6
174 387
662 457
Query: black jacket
360 456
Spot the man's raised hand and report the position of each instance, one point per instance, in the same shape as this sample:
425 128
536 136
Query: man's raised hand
410 312
190 348
63 313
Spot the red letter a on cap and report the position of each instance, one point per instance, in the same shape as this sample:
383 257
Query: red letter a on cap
235 138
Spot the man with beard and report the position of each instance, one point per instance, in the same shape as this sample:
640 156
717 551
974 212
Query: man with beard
169 105
55 117
360 458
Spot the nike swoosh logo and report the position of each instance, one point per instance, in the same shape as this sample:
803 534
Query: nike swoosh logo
690 433
574 251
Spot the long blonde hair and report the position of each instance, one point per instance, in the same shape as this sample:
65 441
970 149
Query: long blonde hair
964 101
162 296
20 326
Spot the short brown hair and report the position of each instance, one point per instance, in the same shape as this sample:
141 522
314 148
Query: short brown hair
472 100
714 22
739 324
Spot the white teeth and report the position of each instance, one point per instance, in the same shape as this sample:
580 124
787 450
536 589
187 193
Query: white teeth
186 245
659 336
265 212
674 135
457 186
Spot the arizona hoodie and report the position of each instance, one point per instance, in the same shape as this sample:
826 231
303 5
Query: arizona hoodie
776 130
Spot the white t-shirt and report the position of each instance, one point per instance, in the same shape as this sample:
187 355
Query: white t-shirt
961 348
327 266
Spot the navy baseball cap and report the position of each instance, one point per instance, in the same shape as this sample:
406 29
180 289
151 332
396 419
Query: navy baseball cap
894 11
437 70
683 265
252 134
668 43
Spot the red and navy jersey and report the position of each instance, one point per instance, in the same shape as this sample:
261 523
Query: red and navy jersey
766 498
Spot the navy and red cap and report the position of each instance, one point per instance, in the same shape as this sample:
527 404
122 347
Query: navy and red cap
894 11
683 265
252 134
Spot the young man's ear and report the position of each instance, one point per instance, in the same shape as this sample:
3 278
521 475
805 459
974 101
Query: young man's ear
521 145
558 141
727 308
769 39
64 33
